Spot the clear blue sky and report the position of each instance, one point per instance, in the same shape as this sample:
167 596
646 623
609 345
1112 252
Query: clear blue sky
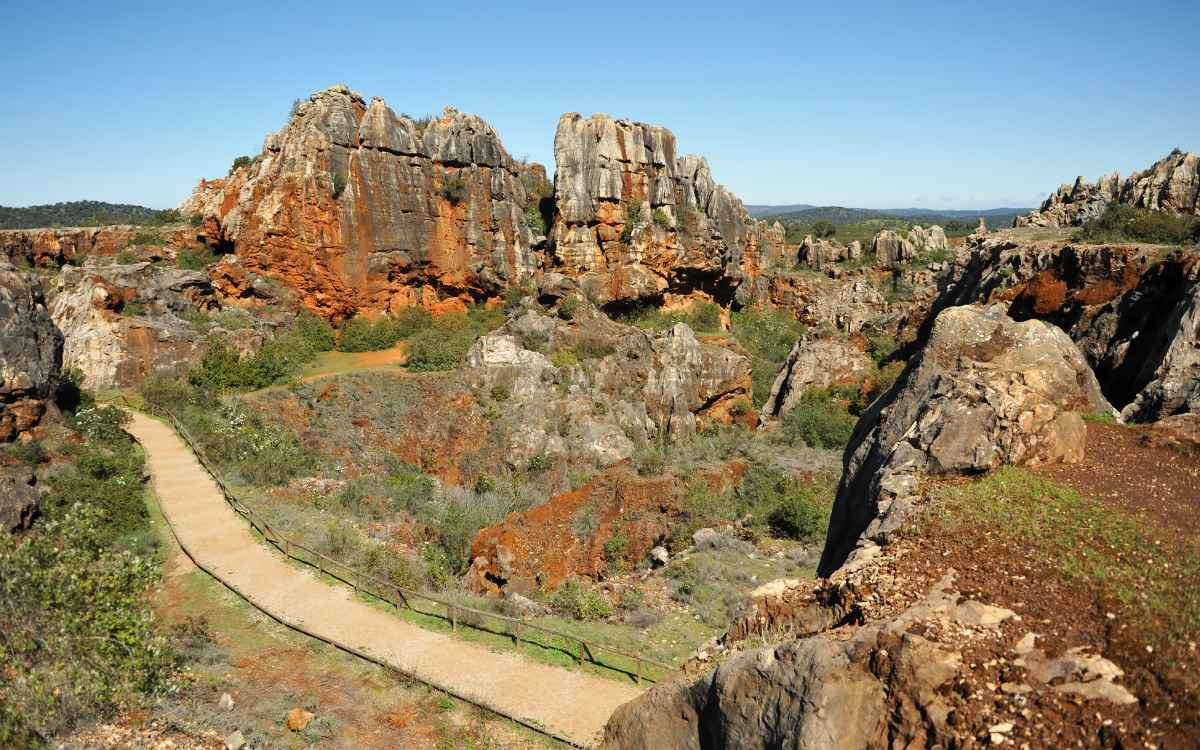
855 104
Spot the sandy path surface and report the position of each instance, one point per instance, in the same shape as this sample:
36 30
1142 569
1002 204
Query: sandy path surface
569 703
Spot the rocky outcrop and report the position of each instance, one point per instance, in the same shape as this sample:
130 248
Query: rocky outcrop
1171 184
633 221
55 247
892 250
821 254
984 391
122 322
884 687
20 501
1131 310
813 363
31 351
362 209
593 389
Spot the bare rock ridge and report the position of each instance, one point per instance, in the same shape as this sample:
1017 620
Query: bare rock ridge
30 354
361 209
635 221
1170 184
984 391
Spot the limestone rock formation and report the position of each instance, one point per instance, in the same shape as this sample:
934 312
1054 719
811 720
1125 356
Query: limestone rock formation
634 221
1131 310
892 250
361 209
821 254
1170 184
19 500
31 351
50 247
813 363
601 385
882 688
111 345
984 391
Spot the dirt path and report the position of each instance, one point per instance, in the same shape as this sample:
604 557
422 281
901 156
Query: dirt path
571 704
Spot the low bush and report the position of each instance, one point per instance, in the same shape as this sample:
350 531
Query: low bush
238 163
195 260
444 345
633 219
701 316
579 600
823 229
1121 223
661 219
339 184
454 190
768 335
822 419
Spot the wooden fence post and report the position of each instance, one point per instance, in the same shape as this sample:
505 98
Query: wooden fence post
453 618
580 659
639 670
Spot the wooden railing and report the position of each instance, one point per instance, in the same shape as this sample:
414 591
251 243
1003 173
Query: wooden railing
402 597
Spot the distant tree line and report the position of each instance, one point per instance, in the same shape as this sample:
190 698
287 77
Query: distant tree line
83 214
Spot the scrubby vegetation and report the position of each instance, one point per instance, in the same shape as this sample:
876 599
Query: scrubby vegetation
700 316
1121 223
82 214
221 367
454 189
77 639
775 502
238 163
196 259
443 345
824 418
768 335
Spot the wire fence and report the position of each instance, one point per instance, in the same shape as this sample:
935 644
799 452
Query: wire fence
403 598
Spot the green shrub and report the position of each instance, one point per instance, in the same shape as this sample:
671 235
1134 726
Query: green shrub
1121 223
125 257
614 550
633 217
79 637
568 308
454 190
564 359
195 260
821 419
196 219
339 184
661 219
536 220
30 453
146 237
315 331
576 599
584 522
823 229
361 335
444 345
768 335
538 464
238 163
593 346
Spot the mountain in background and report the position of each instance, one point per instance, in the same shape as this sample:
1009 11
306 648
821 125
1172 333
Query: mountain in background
74 214
807 214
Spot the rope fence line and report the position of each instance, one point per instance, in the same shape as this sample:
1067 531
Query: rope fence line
401 597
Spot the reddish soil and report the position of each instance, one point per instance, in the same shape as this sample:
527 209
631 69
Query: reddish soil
1120 467
1155 484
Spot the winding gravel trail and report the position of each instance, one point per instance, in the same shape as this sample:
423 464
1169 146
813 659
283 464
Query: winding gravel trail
568 703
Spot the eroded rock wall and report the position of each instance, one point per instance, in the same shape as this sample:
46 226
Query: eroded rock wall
361 209
55 247
31 351
1171 184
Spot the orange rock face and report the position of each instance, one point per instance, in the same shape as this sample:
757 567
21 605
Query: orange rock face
54 247
565 536
361 210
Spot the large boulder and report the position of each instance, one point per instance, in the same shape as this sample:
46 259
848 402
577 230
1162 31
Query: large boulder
19 500
1130 309
984 391
891 250
359 208
31 351
1171 184
813 363
634 221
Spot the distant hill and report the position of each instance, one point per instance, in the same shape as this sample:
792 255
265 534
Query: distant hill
799 214
758 211
74 214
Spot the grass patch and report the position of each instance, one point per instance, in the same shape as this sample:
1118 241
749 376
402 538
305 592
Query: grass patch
1090 541
1128 224
768 335
700 316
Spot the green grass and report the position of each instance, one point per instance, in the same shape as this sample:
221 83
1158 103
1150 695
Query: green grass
1092 542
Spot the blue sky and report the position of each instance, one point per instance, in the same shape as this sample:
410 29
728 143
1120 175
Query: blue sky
858 104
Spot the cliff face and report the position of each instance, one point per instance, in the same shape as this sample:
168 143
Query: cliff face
30 354
47 247
635 222
361 209
1170 184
